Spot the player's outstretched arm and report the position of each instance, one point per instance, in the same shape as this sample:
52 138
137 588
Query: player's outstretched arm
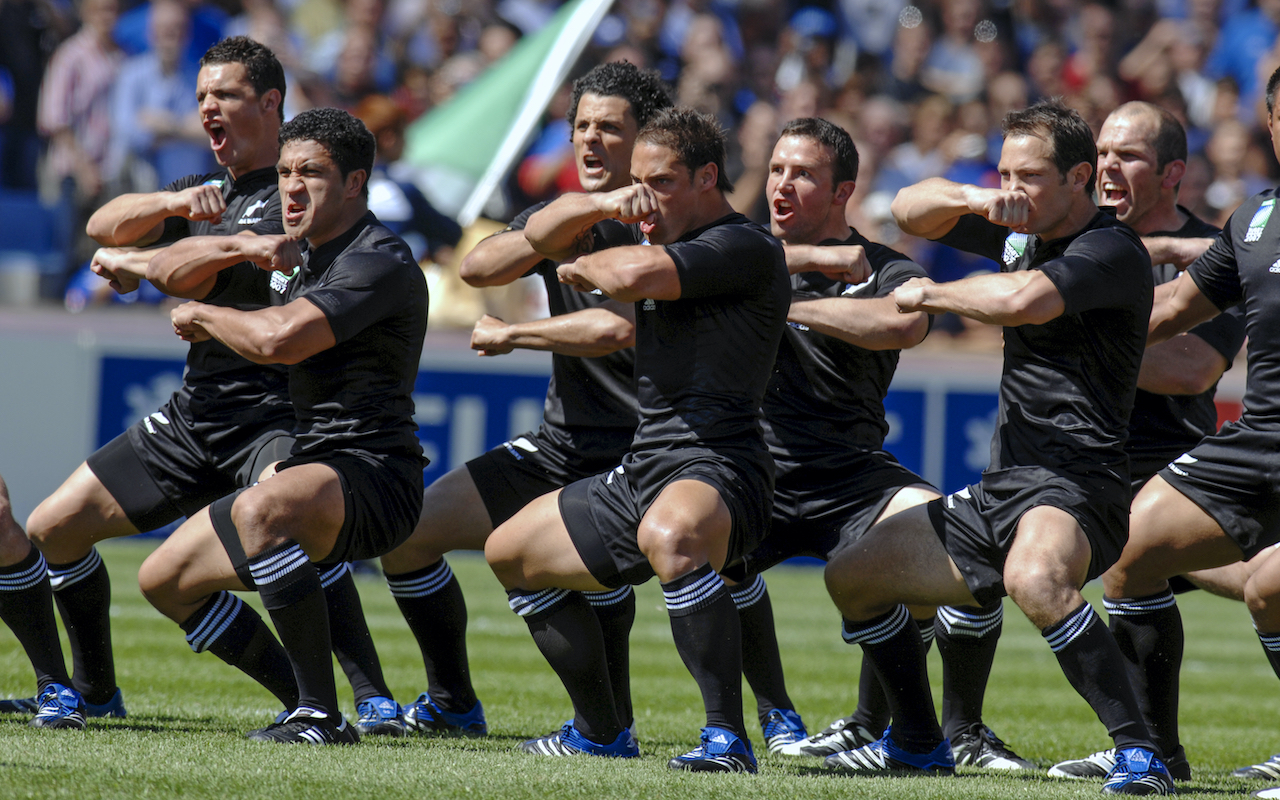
189 267
499 259
1185 364
1001 298
588 333
872 323
138 219
123 268
931 208
284 334
627 274
1179 306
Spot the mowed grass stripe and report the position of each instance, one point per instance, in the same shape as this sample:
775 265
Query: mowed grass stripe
188 713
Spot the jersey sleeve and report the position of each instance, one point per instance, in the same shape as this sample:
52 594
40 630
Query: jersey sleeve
726 260
1102 269
897 272
976 235
1216 273
272 220
368 288
1224 333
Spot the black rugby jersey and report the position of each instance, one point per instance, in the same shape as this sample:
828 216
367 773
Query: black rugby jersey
358 394
1164 426
1068 385
703 361
586 392
219 386
824 406
1243 266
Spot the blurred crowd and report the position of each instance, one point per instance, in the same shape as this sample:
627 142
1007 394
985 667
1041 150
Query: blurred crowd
97 98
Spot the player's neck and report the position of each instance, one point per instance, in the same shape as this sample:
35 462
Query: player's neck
1081 212
1165 217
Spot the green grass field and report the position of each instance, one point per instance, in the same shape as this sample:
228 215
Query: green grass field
188 713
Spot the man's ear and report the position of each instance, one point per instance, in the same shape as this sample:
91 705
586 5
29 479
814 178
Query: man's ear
1174 172
708 176
271 100
1081 177
844 190
356 180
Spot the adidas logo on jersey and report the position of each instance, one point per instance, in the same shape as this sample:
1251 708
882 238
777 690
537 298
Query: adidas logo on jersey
1015 245
248 218
1259 221
649 305
158 417
280 281
1275 267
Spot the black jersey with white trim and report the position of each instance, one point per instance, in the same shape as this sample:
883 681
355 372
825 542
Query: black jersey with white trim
358 394
703 361
219 386
1243 266
586 392
824 406
1169 424
1068 385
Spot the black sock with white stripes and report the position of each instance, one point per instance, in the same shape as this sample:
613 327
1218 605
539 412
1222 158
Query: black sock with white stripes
26 606
567 633
873 704
1095 668
82 590
761 659
616 612
1148 631
967 638
892 644
1271 646
235 633
290 589
708 636
349 631
432 604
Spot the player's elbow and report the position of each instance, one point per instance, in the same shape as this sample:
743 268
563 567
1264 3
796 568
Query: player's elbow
473 273
1029 306
1195 378
99 230
613 335
910 331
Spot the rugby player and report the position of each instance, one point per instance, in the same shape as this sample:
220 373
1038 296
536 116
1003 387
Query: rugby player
1217 503
588 419
26 606
230 420
349 321
825 426
1051 510
1142 153
693 493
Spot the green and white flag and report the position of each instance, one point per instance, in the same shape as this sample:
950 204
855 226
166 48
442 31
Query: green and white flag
481 131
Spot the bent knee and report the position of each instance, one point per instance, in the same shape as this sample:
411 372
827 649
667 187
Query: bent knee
505 558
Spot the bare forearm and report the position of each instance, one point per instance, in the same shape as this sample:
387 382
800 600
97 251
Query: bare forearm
1005 298
1175 250
130 219
872 324
556 230
587 334
628 274
499 260
1183 365
188 267
929 209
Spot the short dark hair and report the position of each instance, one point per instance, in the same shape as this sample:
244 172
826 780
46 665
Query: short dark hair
644 89
346 139
1068 135
695 137
1272 83
844 154
261 66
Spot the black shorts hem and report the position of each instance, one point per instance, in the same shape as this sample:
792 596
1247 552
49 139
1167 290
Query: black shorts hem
124 475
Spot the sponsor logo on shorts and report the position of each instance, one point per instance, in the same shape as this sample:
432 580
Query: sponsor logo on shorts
248 218
963 494
280 280
618 470
1259 221
1015 245
1186 459
800 326
158 417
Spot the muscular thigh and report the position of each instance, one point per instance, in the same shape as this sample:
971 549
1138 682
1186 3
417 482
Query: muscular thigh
80 513
304 503
533 550
186 568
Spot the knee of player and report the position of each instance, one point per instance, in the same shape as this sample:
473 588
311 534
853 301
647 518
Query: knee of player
505 559
43 524
1035 582
1259 600
157 577
843 584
